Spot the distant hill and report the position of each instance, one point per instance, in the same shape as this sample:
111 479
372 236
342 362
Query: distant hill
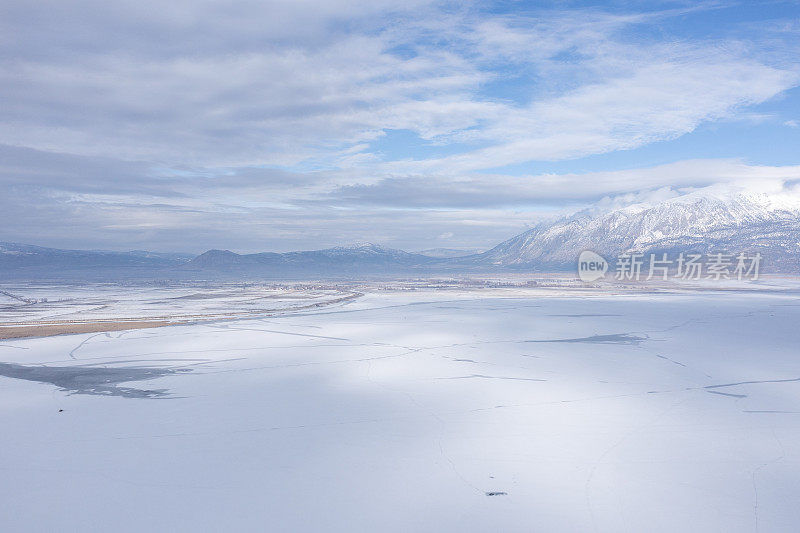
343 261
23 260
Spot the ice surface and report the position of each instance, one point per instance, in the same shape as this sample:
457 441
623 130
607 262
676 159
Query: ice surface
416 411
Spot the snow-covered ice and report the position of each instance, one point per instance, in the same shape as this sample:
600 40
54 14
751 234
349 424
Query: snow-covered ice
416 411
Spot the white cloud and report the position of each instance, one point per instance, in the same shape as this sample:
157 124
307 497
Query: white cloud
285 83
661 99
497 190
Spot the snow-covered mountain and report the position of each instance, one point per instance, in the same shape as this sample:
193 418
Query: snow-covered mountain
701 222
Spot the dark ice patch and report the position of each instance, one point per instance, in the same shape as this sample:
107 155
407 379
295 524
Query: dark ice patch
483 376
755 382
616 338
727 394
95 380
584 315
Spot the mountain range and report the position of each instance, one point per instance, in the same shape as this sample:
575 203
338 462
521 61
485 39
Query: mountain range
696 222
28 261
357 259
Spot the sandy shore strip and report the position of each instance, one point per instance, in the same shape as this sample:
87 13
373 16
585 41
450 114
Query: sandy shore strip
47 330
14 330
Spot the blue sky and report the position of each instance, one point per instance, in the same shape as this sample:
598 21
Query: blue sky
296 125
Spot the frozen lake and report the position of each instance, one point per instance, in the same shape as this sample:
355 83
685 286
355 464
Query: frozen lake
416 411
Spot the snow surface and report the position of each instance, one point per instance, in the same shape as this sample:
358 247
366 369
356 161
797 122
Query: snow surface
416 411
39 303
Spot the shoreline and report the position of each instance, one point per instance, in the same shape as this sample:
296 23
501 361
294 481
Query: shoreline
50 330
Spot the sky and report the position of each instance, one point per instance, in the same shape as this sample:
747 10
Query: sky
273 126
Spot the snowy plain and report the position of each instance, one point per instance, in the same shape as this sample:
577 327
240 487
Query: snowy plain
427 410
